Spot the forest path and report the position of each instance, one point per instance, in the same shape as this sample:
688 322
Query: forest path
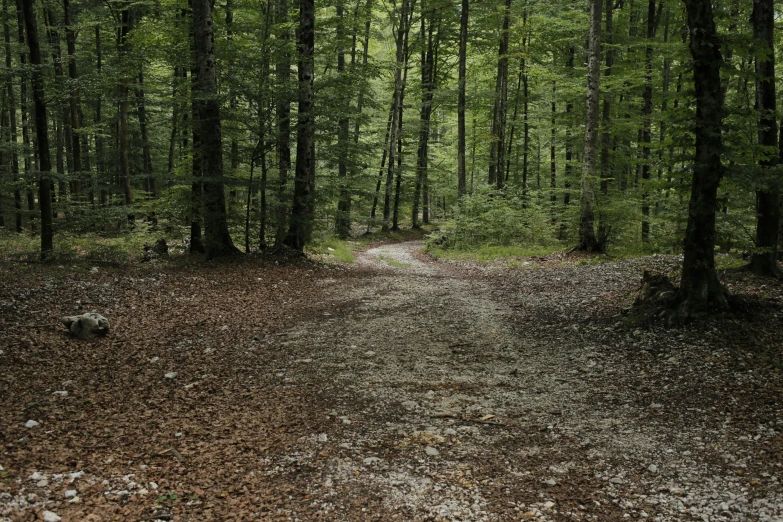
394 388
456 395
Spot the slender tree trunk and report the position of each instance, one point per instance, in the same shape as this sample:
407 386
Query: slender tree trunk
217 240
647 98
700 289
283 117
41 130
343 220
13 136
125 175
422 153
764 259
606 116
23 97
497 149
383 165
73 103
507 167
304 197
587 239
553 158
463 49
402 29
145 143
99 157
232 102
401 107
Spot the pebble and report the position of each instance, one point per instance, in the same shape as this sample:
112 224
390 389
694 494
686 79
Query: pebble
31 424
42 483
323 437
71 493
549 504
50 516
171 375
370 461
369 353
61 393
550 482
37 476
429 450
652 468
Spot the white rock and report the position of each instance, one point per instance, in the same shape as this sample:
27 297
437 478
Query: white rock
328 483
171 375
71 493
76 475
50 516
75 500
153 486
652 468
549 504
429 450
42 483
31 424
61 393
37 476
430 394
550 482
154 359
94 270
450 431
323 437
410 405
369 353
370 461
2 468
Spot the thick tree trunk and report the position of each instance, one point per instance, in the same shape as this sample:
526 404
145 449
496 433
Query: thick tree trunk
700 289
764 260
463 50
217 240
41 130
304 181
401 107
587 239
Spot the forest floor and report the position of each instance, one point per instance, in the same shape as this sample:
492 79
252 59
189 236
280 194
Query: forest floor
394 388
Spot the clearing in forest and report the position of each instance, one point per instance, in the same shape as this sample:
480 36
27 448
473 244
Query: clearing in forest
396 388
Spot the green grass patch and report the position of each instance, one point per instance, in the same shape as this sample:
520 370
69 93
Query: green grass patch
332 247
393 262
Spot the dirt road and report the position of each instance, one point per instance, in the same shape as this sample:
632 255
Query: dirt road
433 391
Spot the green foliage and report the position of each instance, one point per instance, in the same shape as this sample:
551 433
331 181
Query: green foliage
333 248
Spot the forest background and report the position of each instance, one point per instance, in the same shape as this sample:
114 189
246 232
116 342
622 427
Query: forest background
272 122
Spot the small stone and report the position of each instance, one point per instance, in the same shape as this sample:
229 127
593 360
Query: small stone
616 480
656 405
430 394
652 468
61 393
323 437
50 516
37 476
94 270
42 483
450 431
328 483
369 353
410 405
153 485
550 482
429 450
370 461
31 424
154 359
71 493
549 504
171 375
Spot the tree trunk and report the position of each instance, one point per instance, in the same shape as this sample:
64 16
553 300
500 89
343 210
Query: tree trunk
497 149
385 151
647 99
343 219
463 49
41 129
422 152
606 116
764 259
303 205
217 240
700 289
587 239
13 137
283 119
125 176
145 143
400 38
73 103
553 158
99 158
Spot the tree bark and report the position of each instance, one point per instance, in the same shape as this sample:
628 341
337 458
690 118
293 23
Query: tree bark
497 148
13 136
73 103
303 205
343 218
463 49
217 240
124 48
283 120
422 152
141 107
700 289
764 259
587 239
41 129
